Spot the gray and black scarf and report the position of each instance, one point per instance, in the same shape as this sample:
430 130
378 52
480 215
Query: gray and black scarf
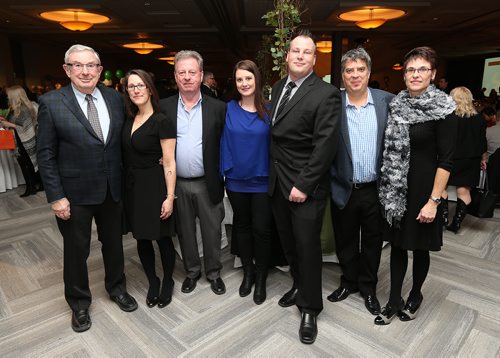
404 110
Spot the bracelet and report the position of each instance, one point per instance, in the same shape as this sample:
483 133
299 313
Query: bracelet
175 196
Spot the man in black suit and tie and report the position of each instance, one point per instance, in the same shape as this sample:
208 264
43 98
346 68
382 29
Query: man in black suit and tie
355 170
209 85
199 119
79 156
305 116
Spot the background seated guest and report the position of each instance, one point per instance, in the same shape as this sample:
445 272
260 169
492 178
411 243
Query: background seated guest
419 143
22 118
470 155
493 142
149 196
245 166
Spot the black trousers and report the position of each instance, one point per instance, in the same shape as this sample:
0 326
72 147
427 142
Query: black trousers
358 239
76 234
299 228
252 218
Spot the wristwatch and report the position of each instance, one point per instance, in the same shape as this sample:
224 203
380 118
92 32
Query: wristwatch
436 200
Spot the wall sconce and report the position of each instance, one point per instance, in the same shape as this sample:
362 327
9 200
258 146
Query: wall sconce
75 20
397 67
143 48
371 17
324 46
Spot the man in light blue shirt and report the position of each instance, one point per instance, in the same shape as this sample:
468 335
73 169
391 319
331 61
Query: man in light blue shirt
354 174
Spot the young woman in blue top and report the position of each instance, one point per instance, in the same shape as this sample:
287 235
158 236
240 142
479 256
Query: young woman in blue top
245 166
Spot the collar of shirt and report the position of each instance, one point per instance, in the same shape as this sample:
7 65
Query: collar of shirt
297 82
80 97
196 104
369 100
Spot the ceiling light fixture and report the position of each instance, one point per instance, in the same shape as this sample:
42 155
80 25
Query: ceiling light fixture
397 67
143 48
324 46
371 17
169 59
75 19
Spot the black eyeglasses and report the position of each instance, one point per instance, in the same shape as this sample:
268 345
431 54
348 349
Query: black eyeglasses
420 71
140 87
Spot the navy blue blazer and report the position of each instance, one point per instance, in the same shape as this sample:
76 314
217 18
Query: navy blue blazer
341 171
213 116
74 163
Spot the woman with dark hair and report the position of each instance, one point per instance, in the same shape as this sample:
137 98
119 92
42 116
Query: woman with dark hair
420 140
22 118
245 166
470 155
149 196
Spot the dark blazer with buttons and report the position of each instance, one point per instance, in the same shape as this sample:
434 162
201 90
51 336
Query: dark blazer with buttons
341 171
213 116
304 138
73 161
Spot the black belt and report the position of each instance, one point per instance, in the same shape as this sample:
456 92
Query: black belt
191 178
358 186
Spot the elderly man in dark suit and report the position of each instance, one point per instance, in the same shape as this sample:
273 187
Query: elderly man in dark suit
79 156
304 135
199 189
354 173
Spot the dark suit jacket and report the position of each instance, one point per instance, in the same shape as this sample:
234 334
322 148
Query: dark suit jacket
341 171
213 116
73 162
304 138
207 91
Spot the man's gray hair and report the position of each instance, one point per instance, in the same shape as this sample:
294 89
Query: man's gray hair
79 48
356 54
181 55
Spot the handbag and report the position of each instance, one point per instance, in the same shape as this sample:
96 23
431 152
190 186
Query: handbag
483 201
7 139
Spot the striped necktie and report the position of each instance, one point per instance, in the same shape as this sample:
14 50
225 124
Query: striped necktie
93 117
285 99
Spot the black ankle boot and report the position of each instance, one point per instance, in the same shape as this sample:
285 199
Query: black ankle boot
248 280
153 291
459 216
444 212
259 294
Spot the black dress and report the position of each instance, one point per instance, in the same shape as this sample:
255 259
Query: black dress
471 144
145 186
431 146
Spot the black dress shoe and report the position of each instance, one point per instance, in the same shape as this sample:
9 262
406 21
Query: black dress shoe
153 292
153 301
80 320
372 304
189 284
166 293
288 298
308 328
218 286
340 294
388 313
126 302
409 312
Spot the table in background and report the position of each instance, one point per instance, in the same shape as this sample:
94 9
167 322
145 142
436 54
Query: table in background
10 172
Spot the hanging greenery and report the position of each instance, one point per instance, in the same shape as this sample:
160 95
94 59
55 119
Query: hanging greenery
284 18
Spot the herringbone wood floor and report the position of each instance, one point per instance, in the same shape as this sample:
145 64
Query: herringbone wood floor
460 315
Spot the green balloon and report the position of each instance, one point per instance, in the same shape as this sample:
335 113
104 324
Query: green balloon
108 75
119 74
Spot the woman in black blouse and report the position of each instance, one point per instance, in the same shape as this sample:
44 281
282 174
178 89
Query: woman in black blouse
419 142
149 195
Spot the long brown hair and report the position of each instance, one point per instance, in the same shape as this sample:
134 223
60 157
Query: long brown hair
251 67
131 108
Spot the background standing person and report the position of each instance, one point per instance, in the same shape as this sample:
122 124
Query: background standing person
79 155
304 135
354 174
22 118
209 85
470 155
419 143
245 166
199 120
150 187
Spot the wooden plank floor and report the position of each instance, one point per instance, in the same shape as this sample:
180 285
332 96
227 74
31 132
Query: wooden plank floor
460 315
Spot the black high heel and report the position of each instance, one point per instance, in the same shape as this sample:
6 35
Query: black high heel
409 312
152 298
388 313
166 293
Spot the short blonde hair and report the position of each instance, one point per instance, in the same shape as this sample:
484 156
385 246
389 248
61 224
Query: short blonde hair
463 98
